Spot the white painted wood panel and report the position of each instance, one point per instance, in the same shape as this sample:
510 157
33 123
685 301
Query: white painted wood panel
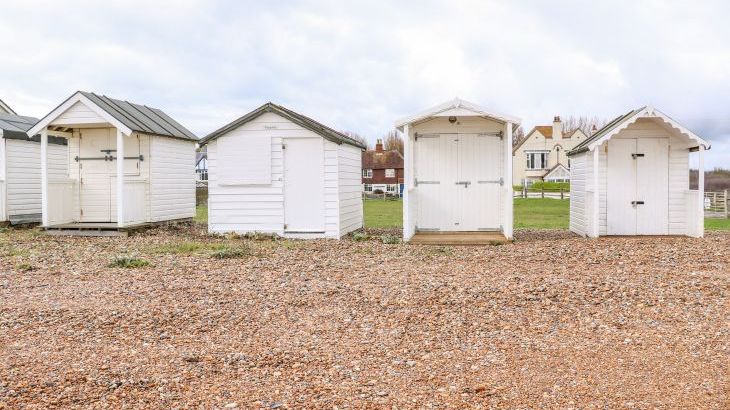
23 174
171 179
350 189
578 206
79 114
304 202
652 179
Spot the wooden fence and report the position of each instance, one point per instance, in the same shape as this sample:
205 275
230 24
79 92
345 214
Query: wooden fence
716 204
542 193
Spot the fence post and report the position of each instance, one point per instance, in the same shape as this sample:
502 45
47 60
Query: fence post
543 192
561 193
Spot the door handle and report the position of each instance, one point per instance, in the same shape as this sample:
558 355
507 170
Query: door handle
465 183
634 203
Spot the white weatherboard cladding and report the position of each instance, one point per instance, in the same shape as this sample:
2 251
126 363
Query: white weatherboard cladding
679 196
23 174
77 114
350 188
578 201
171 179
3 202
260 207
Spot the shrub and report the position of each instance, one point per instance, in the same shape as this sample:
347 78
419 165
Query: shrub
26 267
180 248
359 236
390 239
550 186
225 252
124 261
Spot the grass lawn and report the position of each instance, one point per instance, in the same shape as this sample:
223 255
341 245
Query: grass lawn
201 214
542 213
383 213
533 213
713 224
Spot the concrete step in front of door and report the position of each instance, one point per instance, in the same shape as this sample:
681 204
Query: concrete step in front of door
458 238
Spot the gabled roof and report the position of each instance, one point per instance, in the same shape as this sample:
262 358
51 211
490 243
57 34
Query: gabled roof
457 107
129 117
6 108
372 159
299 119
621 122
546 131
555 168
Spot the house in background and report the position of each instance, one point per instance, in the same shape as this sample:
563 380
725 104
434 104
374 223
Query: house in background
127 164
382 170
201 166
632 177
277 171
541 155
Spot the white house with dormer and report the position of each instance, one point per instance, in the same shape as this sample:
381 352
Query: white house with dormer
541 155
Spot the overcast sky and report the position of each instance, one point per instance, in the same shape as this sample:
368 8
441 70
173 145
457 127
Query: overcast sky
359 66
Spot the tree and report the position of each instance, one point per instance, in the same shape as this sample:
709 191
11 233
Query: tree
518 136
392 141
357 137
583 123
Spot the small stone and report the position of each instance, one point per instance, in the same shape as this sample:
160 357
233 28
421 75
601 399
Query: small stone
231 406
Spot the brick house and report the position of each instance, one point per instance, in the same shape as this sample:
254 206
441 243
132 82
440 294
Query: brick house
382 170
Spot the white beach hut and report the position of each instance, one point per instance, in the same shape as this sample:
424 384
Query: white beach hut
631 177
154 181
458 169
20 168
276 171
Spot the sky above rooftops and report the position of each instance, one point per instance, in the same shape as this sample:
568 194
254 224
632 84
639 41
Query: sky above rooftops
359 66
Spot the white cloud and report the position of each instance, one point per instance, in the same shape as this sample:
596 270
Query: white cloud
360 65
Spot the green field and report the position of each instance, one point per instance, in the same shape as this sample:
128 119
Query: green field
717 224
534 213
383 213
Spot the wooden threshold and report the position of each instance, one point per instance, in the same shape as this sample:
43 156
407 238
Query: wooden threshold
458 238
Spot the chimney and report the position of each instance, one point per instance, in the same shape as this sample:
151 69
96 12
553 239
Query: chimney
379 145
557 129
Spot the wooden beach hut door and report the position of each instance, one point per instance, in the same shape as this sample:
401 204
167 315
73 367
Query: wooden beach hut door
304 185
637 195
95 170
98 169
458 182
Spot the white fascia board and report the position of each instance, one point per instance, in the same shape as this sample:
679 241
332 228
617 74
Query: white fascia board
651 113
477 111
77 97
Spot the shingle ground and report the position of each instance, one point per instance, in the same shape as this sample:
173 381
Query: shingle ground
550 321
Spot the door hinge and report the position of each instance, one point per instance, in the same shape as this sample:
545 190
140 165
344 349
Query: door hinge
501 135
283 146
286 226
81 211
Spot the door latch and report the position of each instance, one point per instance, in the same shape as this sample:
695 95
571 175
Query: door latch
634 156
465 183
634 203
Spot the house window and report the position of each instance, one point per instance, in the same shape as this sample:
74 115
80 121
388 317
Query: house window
368 188
367 173
392 188
537 160
390 173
